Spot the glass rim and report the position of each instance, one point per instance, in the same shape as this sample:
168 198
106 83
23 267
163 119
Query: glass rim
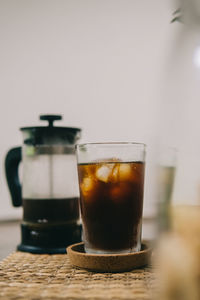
111 144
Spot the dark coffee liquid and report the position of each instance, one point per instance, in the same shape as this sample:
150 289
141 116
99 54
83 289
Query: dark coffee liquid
50 211
50 225
111 198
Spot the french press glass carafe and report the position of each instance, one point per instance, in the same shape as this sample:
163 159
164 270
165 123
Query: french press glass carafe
49 190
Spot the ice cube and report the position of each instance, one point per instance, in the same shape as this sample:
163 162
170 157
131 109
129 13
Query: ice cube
104 172
124 172
87 185
115 173
121 192
116 194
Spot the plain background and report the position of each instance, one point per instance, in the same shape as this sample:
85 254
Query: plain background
97 62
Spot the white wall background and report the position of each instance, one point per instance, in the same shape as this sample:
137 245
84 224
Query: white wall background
96 62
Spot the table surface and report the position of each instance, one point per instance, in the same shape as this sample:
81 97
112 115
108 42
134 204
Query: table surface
31 276
27 276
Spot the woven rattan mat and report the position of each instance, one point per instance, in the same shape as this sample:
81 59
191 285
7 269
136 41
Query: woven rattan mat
28 276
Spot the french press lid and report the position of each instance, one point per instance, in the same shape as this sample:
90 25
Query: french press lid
50 135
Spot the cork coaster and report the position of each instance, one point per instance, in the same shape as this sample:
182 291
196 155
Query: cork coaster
108 262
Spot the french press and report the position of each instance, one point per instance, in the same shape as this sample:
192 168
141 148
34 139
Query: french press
49 190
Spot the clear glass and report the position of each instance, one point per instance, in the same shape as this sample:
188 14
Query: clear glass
111 181
166 171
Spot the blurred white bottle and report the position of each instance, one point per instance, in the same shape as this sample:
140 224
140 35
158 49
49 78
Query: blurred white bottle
179 119
179 126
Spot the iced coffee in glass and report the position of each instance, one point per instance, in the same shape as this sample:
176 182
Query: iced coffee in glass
111 181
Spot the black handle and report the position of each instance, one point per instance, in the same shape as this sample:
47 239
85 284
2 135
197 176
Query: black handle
50 118
12 161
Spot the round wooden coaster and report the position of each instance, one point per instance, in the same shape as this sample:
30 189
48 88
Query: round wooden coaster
108 262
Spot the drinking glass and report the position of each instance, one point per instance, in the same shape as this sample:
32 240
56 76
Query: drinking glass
111 182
